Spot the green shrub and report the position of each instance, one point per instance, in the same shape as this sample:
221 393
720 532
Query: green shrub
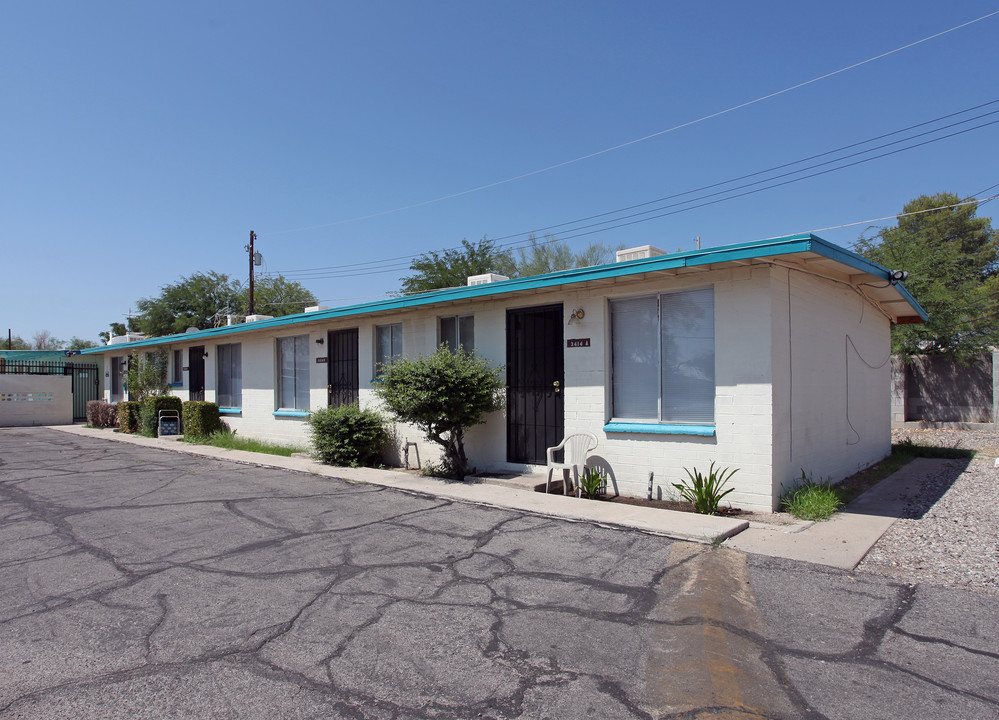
812 500
442 469
705 491
101 414
592 482
200 418
149 415
347 435
443 395
128 415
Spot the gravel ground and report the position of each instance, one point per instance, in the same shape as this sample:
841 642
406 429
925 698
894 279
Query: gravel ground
949 534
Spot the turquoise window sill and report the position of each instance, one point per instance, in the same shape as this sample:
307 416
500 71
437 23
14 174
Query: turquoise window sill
230 411
180 384
660 429
291 413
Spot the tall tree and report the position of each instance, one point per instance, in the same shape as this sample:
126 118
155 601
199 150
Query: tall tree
274 295
552 255
43 340
203 300
451 268
952 258
78 343
17 343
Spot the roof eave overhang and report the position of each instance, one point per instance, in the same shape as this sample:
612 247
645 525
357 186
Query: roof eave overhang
896 301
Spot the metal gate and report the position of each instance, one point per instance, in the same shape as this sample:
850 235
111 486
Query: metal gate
342 367
535 379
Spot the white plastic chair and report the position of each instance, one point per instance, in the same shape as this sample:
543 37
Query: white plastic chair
576 447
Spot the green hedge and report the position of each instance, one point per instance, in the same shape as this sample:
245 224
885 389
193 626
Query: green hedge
128 415
201 419
347 435
149 415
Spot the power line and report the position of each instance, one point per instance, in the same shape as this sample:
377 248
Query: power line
641 139
373 267
748 192
771 169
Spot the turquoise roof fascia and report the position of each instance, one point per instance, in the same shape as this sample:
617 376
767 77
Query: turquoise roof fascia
791 244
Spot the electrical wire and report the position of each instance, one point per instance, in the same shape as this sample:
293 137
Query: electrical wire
402 262
637 140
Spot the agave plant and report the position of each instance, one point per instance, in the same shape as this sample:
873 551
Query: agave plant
592 482
705 491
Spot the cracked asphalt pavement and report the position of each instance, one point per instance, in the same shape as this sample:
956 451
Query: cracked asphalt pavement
142 583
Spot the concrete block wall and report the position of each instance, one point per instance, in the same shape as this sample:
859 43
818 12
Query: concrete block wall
837 355
800 369
27 400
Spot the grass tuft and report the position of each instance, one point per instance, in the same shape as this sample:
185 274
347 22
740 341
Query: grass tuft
229 441
812 500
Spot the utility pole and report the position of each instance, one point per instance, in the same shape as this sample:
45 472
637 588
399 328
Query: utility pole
253 236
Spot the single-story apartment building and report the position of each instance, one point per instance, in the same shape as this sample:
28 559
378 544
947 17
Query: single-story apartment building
771 357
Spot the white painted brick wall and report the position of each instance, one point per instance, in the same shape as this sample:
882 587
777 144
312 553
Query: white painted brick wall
780 399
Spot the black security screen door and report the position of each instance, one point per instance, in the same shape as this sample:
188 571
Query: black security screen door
196 372
534 354
342 367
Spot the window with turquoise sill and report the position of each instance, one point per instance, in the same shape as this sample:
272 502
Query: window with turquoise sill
293 373
230 376
663 358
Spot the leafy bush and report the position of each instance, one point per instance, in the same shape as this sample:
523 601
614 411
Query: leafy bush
812 500
128 415
592 482
347 435
201 418
101 414
150 413
442 469
146 375
705 491
443 395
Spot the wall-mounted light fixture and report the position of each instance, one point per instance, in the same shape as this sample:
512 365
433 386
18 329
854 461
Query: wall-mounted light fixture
319 341
204 354
575 315
898 276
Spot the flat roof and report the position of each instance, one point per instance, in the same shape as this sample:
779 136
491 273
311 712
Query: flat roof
805 252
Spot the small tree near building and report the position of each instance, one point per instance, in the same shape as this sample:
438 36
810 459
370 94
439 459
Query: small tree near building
444 395
147 375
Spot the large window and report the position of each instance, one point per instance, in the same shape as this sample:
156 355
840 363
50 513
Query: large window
388 345
458 331
293 373
230 376
663 358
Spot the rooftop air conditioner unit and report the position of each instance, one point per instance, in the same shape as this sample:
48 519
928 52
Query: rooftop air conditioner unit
316 308
638 253
486 278
258 318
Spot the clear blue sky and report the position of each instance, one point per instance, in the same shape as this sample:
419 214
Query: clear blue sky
143 141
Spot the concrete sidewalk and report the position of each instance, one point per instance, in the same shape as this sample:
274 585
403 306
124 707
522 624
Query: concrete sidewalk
840 542
844 539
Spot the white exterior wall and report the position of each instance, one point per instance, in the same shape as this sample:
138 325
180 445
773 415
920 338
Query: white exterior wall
832 360
785 370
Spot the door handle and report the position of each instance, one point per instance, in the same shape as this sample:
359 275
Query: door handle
556 386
